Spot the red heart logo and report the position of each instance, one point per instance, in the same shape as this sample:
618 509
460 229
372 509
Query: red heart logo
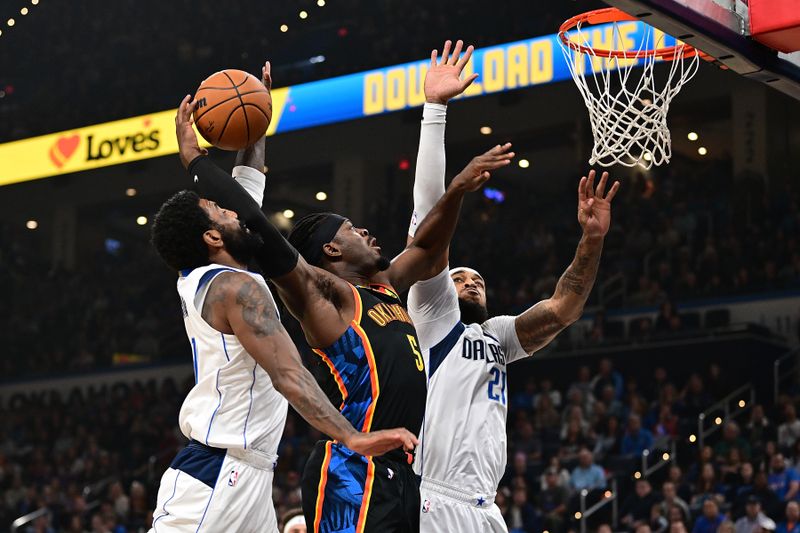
147 122
63 149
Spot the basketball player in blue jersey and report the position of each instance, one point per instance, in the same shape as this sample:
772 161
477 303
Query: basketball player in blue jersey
344 292
245 365
462 452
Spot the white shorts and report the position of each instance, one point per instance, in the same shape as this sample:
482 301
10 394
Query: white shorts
214 490
445 509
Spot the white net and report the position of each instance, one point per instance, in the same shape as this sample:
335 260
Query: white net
627 107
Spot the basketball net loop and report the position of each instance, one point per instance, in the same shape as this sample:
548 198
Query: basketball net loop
627 111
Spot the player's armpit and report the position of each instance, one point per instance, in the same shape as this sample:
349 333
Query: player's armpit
322 302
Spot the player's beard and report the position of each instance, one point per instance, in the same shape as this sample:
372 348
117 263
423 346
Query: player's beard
241 243
472 312
383 263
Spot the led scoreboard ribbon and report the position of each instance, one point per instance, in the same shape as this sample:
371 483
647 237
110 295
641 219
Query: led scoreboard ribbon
501 68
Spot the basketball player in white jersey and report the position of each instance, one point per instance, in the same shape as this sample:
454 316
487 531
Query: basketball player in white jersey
462 451
245 366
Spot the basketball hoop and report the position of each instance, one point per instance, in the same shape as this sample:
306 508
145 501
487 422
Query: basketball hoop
628 112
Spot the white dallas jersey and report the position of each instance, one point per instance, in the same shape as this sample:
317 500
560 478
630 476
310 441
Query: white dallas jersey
463 438
233 403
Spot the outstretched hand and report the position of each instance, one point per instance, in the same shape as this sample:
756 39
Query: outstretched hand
443 81
188 147
266 76
594 206
478 171
380 442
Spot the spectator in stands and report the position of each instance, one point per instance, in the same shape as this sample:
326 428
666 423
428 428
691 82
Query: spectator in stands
587 475
583 383
672 500
783 481
759 430
607 376
614 407
529 442
682 487
738 493
553 501
574 414
523 399
546 389
608 439
792 523
572 442
754 519
658 522
562 475
729 469
731 438
707 487
636 439
711 518
677 527
545 415
694 399
789 431
668 319
521 515
667 424
637 507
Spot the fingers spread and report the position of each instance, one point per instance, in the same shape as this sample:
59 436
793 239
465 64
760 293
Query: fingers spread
456 52
468 81
613 192
434 54
445 52
465 58
601 187
582 189
590 184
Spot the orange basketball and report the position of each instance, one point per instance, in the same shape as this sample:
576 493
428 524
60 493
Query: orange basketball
234 109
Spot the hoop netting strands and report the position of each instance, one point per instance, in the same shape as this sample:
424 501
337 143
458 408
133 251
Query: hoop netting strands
628 113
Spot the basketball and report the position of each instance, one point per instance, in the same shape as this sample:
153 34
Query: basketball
233 109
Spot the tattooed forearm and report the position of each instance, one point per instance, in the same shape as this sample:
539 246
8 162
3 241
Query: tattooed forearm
537 326
258 309
303 393
541 323
580 275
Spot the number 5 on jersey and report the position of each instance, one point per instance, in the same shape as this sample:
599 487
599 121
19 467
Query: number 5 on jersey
415 348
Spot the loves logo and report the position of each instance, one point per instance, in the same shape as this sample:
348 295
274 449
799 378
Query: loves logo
146 139
63 149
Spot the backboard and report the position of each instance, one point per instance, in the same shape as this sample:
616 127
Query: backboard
720 28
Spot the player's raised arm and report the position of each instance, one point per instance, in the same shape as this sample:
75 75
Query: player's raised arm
237 303
434 234
537 326
442 83
304 288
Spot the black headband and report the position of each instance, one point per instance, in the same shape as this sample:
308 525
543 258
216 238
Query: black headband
312 232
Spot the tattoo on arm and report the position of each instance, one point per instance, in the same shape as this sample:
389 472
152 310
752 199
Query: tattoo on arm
579 277
258 310
537 326
317 409
215 296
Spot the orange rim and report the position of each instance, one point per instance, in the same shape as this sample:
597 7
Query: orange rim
613 14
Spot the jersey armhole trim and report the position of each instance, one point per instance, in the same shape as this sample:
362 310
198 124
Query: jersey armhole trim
440 351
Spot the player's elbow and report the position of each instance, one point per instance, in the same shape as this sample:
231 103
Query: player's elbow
567 314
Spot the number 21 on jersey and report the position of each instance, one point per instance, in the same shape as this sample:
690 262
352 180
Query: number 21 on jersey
497 387
415 348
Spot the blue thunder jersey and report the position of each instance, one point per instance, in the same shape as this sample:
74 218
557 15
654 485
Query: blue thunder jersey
376 375
463 441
